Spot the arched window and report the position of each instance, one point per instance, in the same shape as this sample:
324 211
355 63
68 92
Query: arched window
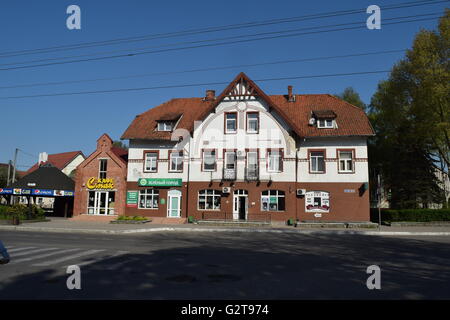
209 199
273 200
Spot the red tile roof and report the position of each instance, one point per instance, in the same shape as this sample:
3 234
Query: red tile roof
351 120
121 153
58 160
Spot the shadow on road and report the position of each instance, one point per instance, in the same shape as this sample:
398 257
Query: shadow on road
239 266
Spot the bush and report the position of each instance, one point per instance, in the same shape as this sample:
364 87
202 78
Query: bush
410 215
135 218
21 211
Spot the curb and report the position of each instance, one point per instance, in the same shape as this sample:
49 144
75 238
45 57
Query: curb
279 231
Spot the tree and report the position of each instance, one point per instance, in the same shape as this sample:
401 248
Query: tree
410 113
120 144
351 96
3 176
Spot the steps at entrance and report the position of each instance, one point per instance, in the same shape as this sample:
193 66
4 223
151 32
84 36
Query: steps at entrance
238 223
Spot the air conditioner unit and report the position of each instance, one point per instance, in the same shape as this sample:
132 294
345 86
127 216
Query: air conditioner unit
226 190
312 121
301 192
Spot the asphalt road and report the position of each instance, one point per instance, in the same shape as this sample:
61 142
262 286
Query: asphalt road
188 265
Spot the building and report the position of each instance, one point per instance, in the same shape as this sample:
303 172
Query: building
67 162
100 181
251 156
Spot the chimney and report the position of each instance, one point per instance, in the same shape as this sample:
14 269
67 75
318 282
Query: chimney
43 157
210 95
291 97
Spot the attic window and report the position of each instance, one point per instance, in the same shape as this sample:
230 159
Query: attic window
325 123
165 125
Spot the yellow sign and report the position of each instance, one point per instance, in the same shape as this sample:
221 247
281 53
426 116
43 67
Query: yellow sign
97 183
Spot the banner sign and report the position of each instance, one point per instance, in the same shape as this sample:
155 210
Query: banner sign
132 199
6 191
155 182
42 192
98 183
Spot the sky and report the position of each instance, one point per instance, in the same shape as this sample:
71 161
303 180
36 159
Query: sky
64 123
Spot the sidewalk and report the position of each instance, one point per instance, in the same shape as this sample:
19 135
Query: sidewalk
67 226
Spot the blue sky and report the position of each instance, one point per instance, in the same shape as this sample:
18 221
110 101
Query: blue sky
67 123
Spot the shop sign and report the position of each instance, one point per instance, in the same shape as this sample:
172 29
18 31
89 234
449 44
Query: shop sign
317 201
156 182
6 191
17 191
98 183
42 192
58 193
69 193
26 191
132 199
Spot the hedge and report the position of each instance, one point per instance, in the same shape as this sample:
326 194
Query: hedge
21 211
415 215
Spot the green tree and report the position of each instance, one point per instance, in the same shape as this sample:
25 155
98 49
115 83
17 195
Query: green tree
351 96
410 113
120 144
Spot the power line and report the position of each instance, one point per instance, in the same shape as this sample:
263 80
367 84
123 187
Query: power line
205 69
192 85
205 45
213 40
211 29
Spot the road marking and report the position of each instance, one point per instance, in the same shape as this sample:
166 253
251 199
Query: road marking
74 256
43 256
24 253
7 248
20 249
117 254
120 264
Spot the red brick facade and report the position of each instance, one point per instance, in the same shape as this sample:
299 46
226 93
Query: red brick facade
89 168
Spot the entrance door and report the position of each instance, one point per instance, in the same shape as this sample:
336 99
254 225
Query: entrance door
240 204
103 203
174 204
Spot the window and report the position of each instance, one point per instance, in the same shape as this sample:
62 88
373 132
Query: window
273 200
230 122
209 199
176 161
345 161
275 163
252 162
209 160
165 125
230 160
148 199
102 170
151 162
252 122
317 201
325 123
317 161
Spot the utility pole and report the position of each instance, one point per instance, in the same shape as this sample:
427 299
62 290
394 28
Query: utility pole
9 173
379 201
15 164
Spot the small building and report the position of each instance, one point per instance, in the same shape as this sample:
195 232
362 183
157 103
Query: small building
100 181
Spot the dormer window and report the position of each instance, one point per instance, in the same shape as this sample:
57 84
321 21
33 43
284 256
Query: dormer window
165 125
325 119
325 123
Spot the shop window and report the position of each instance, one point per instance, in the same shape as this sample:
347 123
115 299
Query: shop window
151 162
148 199
209 199
317 161
176 161
103 166
317 201
273 200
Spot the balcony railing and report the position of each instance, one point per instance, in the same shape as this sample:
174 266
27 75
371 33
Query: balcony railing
252 173
229 174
